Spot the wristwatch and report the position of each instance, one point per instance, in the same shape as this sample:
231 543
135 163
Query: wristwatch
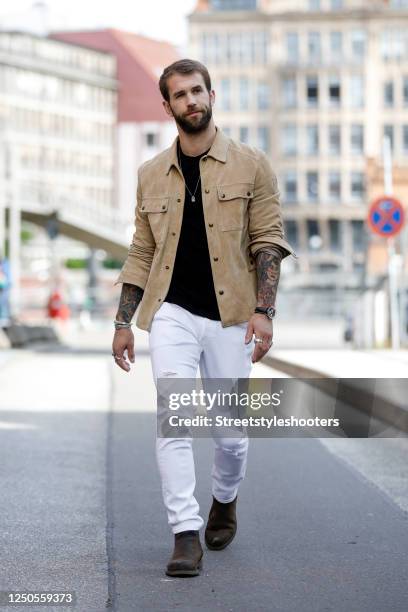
269 312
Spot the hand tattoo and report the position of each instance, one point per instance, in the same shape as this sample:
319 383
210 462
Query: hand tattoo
130 298
268 262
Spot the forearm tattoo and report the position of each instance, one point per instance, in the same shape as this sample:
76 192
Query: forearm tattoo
130 298
268 271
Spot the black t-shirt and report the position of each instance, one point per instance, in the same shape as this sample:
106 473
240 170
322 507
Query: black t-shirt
192 285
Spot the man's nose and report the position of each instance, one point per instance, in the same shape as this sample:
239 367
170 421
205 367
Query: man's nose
191 101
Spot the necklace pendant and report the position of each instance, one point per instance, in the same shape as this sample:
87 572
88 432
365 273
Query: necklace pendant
193 198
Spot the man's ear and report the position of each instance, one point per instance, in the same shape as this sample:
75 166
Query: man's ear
212 97
167 108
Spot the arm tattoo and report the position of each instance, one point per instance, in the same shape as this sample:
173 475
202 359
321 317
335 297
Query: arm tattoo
129 300
268 270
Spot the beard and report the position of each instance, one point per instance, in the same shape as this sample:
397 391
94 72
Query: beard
194 125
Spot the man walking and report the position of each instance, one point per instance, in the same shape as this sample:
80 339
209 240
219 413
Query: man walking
204 265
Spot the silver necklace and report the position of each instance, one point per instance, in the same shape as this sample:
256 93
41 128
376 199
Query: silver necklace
192 195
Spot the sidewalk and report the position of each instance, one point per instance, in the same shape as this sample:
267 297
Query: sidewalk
375 381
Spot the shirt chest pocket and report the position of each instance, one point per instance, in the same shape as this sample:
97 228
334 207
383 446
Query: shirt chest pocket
232 205
156 209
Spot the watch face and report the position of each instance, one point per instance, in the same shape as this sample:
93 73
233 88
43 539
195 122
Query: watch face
270 312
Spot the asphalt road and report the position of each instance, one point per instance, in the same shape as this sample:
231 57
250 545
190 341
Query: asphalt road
323 524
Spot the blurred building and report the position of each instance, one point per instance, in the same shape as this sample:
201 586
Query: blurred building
143 128
316 84
57 124
57 120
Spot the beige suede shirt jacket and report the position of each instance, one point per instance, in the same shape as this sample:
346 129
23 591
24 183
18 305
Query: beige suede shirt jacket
242 215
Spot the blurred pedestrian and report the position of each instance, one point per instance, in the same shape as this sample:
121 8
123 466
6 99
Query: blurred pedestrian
207 208
5 284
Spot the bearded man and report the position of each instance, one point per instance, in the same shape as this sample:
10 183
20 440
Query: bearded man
204 267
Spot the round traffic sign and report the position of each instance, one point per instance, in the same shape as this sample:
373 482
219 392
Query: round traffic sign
386 216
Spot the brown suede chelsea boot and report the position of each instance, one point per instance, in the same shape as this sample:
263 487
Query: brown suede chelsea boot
187 555
222 524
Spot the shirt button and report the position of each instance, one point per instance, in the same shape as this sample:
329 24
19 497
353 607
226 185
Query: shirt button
178 199
173 233
221 292
207 191
167 267
248 193
210 224
215 258
204 159
163 208
143 207
223 195
159 300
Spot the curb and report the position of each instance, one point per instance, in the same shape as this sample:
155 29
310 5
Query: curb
389 411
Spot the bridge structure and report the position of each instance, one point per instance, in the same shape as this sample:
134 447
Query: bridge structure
99 227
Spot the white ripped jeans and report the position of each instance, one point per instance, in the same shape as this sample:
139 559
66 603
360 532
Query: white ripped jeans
179 342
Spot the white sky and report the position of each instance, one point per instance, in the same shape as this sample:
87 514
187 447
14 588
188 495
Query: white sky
160 19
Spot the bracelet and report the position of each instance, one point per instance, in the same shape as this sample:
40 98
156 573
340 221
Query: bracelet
121 324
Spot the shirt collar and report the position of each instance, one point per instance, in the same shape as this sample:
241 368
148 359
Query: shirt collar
218 150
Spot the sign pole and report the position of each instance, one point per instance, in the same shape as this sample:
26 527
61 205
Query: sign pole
392 256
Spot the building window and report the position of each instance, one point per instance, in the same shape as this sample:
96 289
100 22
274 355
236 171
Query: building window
289 92
358 235
312 186
292 47
314 5
262 95
225 94
312 139
336 5
405 138
336 45
357 138
290 186
204 48
312 226
151 139
389 94
263 138
312 91
389 133
334 185
233 5
243 93
291 233
262 41
334 90
289 139
358 43
393 43
357 185
405 90
356 91
313 42
334 140
335 235
244 134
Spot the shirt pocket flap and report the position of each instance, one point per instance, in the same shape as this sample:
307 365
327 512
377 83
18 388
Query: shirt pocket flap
235 190
154 205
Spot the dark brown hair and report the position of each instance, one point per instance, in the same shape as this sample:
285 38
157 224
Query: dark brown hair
184 66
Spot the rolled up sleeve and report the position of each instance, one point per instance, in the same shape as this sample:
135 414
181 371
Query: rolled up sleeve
136 268
265 226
